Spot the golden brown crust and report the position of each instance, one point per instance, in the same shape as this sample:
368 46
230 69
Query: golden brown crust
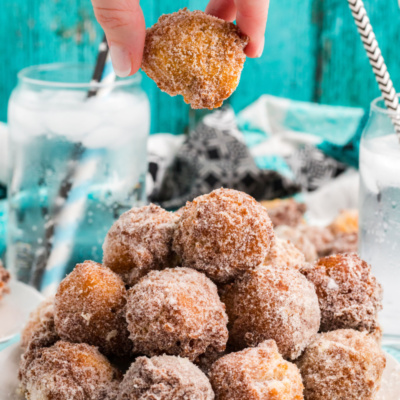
342 364
255 374
223 234
195 55
140 241
165 378
178 312
272 303
67 371
89 308
4 278
349 295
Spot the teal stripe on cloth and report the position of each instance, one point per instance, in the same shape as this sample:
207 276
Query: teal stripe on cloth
3 226
10 342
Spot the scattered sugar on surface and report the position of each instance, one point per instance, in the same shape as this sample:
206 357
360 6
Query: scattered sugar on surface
285 212
272 303
223 234
349 295
342 364
195 55
256 373
140 241
165 377
68 371
90 308
178 312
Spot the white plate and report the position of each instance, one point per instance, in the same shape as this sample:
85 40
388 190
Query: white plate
15 308
9 360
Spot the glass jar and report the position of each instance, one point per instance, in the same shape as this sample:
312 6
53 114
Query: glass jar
77 163
380 212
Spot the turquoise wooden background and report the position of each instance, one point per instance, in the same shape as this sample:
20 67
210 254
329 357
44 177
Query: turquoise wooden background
312 50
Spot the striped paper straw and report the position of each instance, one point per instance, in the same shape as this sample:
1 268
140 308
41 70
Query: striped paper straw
74 201
376 60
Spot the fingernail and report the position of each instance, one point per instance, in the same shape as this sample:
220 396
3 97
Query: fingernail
261 48
120 61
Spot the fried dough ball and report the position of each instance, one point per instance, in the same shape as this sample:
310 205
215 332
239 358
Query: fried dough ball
89 308
284 253
285 212
39 317
140 241
342 364
223 234
255 374
165 378
345 222
195 55
299 240
177 312
349 295
272 303
4 278
67 371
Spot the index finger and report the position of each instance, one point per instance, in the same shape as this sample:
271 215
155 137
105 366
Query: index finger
251 18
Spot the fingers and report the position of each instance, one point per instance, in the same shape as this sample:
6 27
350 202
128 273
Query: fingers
124 26
251 18
224 9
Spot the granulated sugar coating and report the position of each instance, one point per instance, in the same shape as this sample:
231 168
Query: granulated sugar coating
37 319
223 234
139 241
164 378
285 212
349 295
67 371
343 364
90 306
195 55
177 312
284 253
4 278
256 374
299 240
272 303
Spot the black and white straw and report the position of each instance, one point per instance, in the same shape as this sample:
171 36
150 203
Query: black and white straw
376 60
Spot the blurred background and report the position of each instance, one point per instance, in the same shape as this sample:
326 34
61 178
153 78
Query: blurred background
312 51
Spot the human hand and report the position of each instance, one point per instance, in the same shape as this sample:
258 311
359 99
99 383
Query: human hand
124 26
251 18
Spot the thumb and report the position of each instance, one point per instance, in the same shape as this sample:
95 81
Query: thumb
124 26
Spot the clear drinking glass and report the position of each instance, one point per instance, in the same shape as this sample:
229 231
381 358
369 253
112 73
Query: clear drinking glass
77 163
380 212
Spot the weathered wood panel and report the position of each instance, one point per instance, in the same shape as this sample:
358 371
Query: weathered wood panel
312 50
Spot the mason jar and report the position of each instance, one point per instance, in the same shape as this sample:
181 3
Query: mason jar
77 163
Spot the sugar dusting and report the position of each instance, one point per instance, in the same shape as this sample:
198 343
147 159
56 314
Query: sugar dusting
195 55
67 371
342 364
140 241
284 253
349 295
90 306
178 312
285 212
4 278
37 319
223 234
165 378
256 373
272 303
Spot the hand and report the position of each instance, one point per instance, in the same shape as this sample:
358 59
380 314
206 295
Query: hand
251 17
123 24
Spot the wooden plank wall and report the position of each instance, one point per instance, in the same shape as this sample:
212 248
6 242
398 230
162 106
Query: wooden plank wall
312 50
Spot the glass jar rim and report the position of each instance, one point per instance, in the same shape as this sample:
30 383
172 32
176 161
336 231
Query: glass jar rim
380 109
23 76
